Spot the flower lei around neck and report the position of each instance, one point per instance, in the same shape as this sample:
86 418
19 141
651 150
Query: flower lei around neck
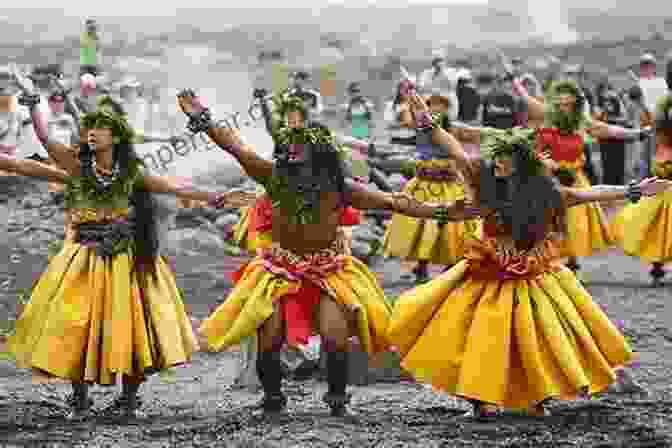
555 118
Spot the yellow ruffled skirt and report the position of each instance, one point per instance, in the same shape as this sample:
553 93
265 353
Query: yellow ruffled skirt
512 342
88 320
649 228
422 239
588 230
252 301
245 237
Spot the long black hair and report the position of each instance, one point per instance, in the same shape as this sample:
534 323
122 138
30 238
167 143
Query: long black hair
529 203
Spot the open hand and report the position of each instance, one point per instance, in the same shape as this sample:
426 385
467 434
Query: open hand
233 199
653 185
188 102
418 104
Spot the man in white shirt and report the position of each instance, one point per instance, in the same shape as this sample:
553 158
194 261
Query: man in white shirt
441 80
653 86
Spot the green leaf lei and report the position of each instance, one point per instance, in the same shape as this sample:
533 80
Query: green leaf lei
554 117
86 189
503 142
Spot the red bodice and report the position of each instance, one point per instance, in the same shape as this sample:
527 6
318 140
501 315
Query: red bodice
263 215
563 147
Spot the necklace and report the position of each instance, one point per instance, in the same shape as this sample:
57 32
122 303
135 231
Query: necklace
105 178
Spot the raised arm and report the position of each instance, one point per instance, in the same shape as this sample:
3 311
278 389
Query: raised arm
535 108
605 193
185 189
228 139
31 168
452 147
365 199
63 154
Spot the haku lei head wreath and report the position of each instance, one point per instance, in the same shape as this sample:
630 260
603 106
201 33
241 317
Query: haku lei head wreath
354 166
106 117
555 118
516 143
287 103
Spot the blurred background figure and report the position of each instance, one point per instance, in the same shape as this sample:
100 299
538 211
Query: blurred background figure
468 98
612 110
653 86
311 97
358 113
89 47
441 80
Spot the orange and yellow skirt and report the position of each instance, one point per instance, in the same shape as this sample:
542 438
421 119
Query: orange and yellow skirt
588 230
296 283
510 331
423 239
88 319
649 226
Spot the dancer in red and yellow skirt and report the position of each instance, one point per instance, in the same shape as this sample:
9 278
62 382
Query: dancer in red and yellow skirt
649 223
305 279
510 326
566 126
436 180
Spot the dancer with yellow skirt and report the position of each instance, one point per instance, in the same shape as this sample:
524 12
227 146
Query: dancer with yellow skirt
107 304
436 180
563 135
649 223
304 281
510 326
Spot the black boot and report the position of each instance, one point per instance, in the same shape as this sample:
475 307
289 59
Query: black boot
128 404
573 264
269 370
337 380
79 402
657 273
421 272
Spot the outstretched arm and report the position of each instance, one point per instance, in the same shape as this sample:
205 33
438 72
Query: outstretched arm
365 199
63 155
604 193
184 189
227 139
602 130
31 168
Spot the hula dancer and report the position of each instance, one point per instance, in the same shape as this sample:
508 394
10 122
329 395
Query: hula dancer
648 232
437 180
510 326
566 124
107 304
306 270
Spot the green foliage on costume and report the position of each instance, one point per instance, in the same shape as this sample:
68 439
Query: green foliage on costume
554 117
503 142
85 191
294 204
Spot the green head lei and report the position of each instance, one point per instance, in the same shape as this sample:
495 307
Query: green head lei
504 142
105 117
555 118
287 103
